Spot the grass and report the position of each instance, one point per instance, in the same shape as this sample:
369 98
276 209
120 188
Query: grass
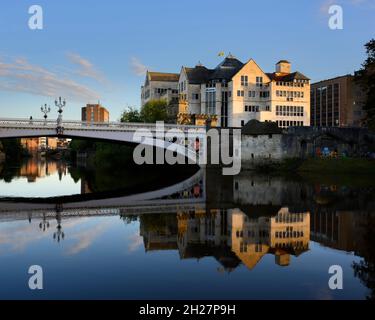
342 166
344 171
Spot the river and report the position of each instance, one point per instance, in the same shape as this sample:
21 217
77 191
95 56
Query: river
178 233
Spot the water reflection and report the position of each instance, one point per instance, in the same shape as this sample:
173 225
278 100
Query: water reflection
33 169
263 232
230 236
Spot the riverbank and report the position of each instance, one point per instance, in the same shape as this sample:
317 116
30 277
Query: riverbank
358 166
2 153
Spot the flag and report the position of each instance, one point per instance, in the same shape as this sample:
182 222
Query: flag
221 54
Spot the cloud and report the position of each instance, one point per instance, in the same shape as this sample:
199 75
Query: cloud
138 67
86 238
86 68
15 236
21 76
326 4
135 242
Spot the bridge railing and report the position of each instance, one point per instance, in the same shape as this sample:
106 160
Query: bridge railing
74 124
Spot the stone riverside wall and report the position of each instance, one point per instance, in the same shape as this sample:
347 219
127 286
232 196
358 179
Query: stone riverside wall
305 142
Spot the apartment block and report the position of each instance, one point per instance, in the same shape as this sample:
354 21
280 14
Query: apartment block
95 113
337 102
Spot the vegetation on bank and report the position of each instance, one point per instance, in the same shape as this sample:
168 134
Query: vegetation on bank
344 165
358 166
104 154
152 111
13 149
365 77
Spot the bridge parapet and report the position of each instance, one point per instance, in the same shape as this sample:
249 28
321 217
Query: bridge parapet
73 124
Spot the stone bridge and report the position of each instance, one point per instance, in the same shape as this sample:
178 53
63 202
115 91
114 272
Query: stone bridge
187 195
177 138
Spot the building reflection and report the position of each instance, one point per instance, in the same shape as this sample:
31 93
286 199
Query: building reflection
36 168
230 235
338 229
283 235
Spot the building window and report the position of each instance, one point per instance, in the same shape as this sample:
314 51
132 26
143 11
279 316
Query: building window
195 96
242 123
259 81
211 101
244 81
251 94
243 247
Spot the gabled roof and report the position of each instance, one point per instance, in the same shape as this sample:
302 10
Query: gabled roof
287 77
223 254
230 62
255 127
162 76
252 60
226 69
198 74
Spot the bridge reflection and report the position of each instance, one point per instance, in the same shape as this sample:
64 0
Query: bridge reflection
237 222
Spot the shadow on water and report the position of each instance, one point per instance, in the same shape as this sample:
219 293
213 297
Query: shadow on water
96 182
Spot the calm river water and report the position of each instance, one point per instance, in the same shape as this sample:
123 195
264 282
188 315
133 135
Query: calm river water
176 233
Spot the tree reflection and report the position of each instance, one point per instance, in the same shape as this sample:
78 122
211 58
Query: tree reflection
365 269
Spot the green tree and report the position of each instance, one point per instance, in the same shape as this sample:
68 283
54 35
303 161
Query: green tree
154 110
82 145
366 79
13 149
365 268
131 114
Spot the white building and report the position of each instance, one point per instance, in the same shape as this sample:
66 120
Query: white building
235 93
159 85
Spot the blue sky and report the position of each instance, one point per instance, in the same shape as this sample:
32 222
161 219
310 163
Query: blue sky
99 50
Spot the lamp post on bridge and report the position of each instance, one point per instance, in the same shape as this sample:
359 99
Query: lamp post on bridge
45 110
59 103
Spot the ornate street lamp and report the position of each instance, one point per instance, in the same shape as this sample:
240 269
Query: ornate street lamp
45 110
59 103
